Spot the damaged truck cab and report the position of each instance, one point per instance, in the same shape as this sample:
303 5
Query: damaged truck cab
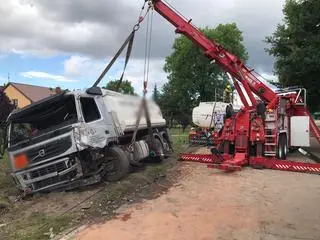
79 138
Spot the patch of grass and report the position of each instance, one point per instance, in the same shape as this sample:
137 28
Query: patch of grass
154 171
6 181
7 185
136 186
116 191
180 139
178 131
39 226
4 204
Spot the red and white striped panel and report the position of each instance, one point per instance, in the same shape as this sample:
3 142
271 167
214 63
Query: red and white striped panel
298 167
197 158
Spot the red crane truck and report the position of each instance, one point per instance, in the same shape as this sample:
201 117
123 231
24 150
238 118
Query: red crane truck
262 132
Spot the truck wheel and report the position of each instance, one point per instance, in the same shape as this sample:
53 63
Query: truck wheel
282 147
117 164
166 147
135 163
159 151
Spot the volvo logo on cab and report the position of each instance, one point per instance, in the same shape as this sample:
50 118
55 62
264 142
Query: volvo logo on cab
41 153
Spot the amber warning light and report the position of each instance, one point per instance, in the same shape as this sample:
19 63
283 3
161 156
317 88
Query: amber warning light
21 161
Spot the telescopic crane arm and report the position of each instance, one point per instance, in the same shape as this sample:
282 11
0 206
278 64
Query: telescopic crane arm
229 62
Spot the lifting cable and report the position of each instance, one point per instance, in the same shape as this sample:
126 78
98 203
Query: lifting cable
143 105
211 122
148 54
128 42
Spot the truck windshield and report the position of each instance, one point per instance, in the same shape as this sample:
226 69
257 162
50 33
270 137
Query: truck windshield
42 118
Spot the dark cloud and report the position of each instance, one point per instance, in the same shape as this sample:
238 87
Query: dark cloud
107 12
98 28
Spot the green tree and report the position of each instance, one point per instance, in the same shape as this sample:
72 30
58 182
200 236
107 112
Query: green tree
192 78
295 46
156 94
6 106
125 87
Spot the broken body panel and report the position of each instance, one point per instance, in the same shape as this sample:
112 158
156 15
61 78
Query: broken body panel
64 140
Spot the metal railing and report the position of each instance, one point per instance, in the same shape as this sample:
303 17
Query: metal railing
301 94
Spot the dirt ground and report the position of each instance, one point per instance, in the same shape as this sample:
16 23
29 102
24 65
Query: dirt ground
208 204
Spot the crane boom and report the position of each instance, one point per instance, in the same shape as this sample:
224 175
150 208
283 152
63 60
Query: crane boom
229 62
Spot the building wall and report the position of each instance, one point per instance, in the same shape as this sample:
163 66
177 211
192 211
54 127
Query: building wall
13 93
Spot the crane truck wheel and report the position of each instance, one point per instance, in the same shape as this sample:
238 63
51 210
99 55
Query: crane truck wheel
286 147
282 147
117 164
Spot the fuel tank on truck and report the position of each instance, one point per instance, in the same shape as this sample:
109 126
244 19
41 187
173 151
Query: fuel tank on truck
202 115
124 110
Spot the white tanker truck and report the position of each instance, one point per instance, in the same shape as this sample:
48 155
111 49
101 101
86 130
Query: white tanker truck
78 138
210 116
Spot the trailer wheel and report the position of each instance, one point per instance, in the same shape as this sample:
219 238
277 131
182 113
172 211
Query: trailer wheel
166 147
117 164
159 151
282 147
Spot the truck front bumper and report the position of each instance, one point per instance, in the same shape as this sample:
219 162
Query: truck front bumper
49 175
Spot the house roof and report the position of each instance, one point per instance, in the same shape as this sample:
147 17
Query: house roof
32 92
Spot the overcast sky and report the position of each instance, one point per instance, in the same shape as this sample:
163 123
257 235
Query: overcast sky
67 42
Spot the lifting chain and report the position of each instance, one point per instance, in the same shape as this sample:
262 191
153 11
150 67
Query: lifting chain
143 105
128 42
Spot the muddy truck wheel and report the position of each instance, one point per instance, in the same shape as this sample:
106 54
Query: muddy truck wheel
117 164
160 155
166 147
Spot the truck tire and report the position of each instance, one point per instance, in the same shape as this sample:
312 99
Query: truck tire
282 147
166 147
117 164
137 159
135 163
160 153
